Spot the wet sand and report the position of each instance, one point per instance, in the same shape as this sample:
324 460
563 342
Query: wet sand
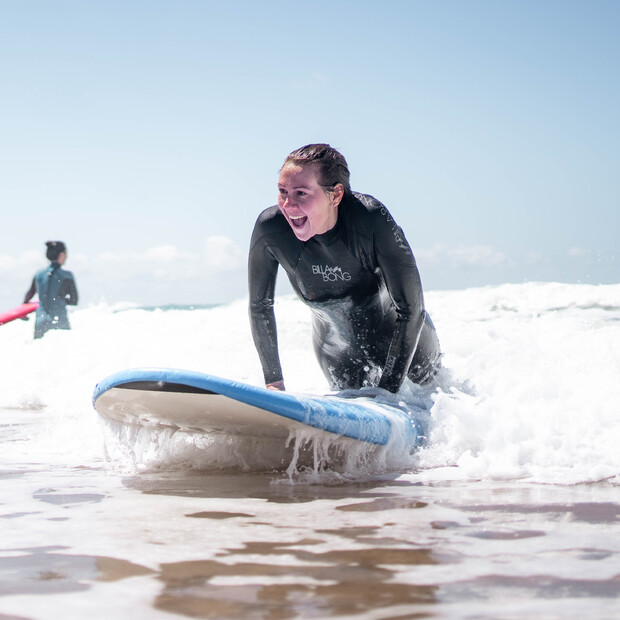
84 541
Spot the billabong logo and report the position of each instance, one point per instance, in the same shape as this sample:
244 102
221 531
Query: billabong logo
331 274
397 231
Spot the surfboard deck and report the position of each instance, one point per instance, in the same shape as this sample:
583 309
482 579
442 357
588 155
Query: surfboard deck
193 401
18 313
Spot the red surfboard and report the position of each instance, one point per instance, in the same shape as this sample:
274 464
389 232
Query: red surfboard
18 313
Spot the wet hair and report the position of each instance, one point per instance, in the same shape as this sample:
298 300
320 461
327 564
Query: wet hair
332 165
54 249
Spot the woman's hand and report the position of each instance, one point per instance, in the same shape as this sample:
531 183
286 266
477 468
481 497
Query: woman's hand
276 385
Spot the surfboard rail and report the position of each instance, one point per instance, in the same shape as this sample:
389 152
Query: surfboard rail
363 421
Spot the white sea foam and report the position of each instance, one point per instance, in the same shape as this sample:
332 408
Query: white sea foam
529 387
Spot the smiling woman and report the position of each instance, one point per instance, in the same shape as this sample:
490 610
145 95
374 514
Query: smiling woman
310 206
351 264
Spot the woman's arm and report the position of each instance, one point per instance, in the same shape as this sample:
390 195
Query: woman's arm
31 291
262 272
402 280
68 291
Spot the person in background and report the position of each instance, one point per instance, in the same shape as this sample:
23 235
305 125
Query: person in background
56 289
351 264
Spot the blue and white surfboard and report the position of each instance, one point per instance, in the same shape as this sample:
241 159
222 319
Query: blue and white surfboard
194 401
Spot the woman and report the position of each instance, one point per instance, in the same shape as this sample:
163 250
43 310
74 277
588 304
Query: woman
56 288
350 263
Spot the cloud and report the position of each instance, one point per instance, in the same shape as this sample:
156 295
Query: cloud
577 252
166 262
463 255
534 257
224 254
168 253
155 255
23 266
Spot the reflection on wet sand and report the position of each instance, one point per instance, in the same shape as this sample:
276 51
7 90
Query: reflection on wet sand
303 582
308 584
371 572
382 548
383 503
588 512
321 584
46 570
493 587
273 488
288 580
284 580
213 514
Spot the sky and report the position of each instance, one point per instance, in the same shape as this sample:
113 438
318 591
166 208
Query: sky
148 135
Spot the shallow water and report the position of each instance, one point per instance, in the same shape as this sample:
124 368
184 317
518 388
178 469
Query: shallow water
80 540
512 509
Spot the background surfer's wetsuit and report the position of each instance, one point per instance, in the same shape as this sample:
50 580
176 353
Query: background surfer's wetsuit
362 284
56 288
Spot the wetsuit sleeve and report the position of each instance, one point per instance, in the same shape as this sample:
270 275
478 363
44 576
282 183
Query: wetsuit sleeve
31 292
262 272
400 273
68 291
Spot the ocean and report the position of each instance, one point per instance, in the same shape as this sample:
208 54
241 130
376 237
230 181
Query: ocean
511 509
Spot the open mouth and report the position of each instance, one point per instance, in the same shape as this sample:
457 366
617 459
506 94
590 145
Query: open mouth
299 221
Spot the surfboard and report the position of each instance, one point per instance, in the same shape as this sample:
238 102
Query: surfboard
18 313
192 401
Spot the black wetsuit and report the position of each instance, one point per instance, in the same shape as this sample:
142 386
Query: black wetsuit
361 282
56 288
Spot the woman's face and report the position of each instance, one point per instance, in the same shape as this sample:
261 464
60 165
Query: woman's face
307 207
